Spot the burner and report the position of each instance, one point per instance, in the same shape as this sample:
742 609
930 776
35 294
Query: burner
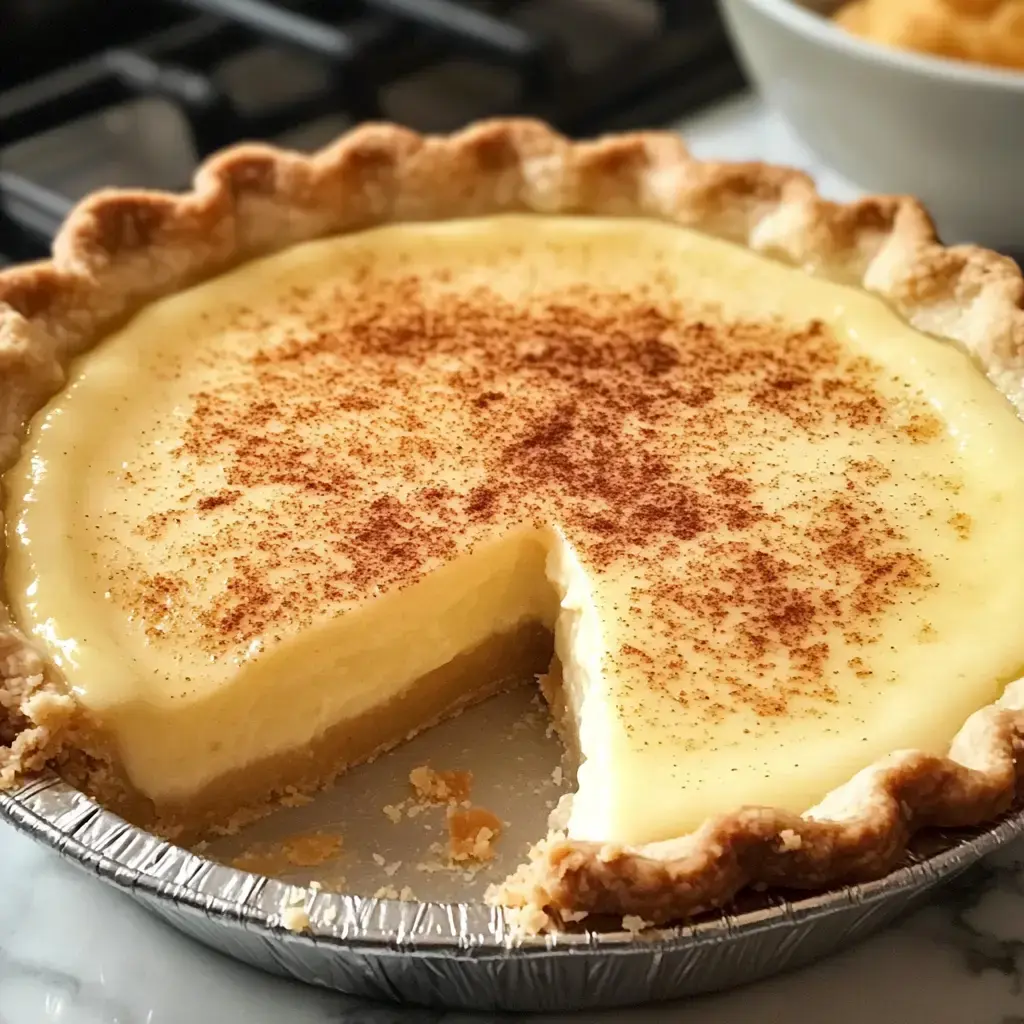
178 79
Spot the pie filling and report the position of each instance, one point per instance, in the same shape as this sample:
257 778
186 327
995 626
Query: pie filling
284 519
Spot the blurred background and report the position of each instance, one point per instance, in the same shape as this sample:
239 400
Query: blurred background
924 97
134 92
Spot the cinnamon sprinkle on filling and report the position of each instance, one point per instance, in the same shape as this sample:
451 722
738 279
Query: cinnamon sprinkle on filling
396 423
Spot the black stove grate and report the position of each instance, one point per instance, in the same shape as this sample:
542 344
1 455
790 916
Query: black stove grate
585 65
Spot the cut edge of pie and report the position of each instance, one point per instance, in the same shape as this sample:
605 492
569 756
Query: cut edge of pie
121 250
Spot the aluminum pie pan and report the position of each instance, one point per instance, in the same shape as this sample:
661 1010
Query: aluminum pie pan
460 955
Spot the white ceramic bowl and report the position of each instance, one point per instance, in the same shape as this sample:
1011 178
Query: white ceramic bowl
948 132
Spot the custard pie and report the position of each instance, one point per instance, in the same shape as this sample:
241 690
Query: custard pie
309 458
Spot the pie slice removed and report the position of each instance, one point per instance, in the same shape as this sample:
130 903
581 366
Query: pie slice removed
340 444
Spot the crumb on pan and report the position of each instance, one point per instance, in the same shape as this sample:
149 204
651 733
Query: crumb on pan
633 924
295 919
440 787
389 892
308 850
472 833
312 849
393 812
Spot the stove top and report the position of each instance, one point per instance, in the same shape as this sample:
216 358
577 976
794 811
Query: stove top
146 90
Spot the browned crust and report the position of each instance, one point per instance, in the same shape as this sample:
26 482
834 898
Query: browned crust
121 250
859 832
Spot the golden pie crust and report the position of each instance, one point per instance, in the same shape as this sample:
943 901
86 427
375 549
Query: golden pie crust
121 250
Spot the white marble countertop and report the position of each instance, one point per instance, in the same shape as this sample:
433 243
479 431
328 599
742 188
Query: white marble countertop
76 952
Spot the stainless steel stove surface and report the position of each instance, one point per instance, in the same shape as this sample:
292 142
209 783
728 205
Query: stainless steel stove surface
142 97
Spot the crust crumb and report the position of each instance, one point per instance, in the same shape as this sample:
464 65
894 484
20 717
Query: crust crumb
633 924
437 864
472 833
441 786
302 851
790 840
311 850
393 812
295 919
389 892
526 921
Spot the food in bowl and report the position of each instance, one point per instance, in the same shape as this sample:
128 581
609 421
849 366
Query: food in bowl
982 31
355 439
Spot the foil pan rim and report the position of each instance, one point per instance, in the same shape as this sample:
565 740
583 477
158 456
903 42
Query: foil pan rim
65 819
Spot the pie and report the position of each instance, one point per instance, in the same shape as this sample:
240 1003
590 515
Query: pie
333 446
981 31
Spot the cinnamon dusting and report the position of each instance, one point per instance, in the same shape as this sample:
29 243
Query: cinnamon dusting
402 423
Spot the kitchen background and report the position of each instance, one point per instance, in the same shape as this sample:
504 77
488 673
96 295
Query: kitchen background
115 92
134 92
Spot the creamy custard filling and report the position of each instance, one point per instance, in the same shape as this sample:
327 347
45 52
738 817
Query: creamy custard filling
768 522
